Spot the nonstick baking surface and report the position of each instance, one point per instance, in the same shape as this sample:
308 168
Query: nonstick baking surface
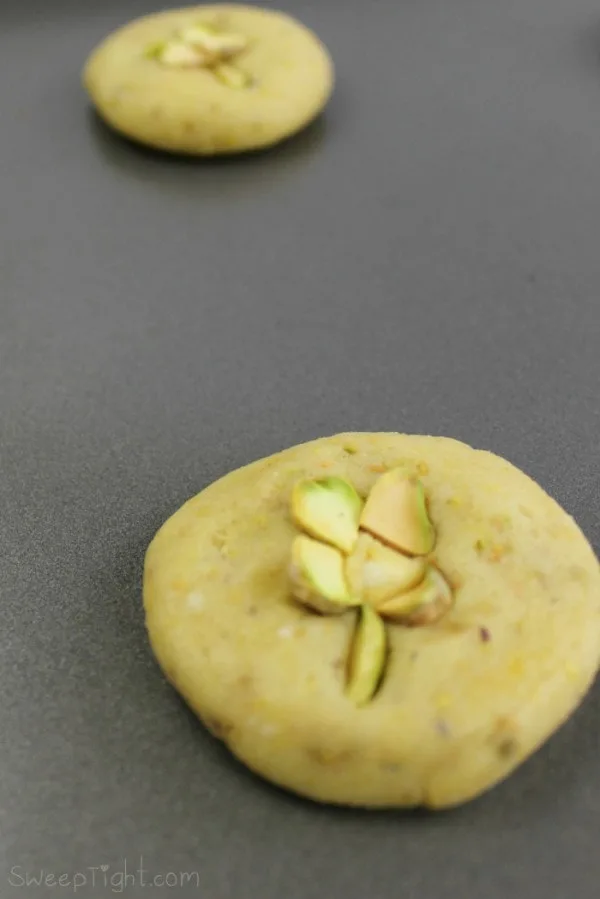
425 258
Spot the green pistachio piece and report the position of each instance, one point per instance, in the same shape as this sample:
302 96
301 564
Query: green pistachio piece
317 576
367 657
328 509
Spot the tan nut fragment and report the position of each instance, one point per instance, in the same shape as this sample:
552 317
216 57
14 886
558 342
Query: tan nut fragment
377 573
425 604
396 512
218 44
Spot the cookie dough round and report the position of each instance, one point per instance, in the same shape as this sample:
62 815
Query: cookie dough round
187 109
463 702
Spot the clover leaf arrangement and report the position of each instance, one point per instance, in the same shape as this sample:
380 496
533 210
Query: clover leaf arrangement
371 556
204 46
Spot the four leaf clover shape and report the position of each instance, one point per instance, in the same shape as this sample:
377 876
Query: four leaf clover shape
204 46
372 556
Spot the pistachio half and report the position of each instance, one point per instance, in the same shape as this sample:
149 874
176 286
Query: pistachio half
377 573
367 657
396 512
317 577
328 509
423 605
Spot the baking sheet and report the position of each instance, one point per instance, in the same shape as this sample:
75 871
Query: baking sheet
425 259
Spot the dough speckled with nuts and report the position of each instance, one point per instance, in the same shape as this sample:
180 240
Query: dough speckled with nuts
255 78
464 700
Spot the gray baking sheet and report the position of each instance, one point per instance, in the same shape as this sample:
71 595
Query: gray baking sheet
425 258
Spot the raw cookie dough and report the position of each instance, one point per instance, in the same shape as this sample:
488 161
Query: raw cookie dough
462 702
255 78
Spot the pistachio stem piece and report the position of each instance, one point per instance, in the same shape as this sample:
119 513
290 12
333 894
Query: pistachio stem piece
317 577
367 657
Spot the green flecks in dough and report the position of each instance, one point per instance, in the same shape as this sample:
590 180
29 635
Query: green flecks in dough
155 50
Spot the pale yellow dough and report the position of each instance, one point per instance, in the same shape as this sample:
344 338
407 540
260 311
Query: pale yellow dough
463 702
189 110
